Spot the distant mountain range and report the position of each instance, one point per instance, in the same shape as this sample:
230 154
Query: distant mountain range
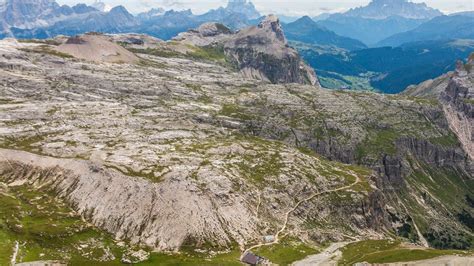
369 31
380 23
382 9
389 70
456 26
307 31
46 18
378 20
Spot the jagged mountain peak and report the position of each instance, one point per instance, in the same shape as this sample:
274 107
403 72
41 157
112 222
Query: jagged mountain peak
271 23
243 7
101 6
381 9
305 19
119 9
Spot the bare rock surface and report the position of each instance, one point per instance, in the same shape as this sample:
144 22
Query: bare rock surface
207 34
459 105
212 156
96 48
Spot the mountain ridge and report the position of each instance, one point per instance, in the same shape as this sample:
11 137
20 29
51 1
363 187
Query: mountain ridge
308 31
457 26
382 9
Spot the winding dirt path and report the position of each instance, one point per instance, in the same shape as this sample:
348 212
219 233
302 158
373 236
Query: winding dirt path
15 253
297 205
328 257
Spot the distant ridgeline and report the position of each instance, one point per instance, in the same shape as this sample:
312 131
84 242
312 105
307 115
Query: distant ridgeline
46 18
348 50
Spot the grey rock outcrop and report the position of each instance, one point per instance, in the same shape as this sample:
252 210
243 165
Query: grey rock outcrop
262 52
210 33
458 100
258 52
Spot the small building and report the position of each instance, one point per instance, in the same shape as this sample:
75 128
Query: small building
252 259
269 239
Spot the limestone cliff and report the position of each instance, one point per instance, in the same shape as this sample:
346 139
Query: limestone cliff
262 52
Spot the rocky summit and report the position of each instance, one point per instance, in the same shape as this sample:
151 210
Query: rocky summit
258 52
262 52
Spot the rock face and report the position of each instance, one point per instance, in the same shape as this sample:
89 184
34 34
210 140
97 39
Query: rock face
206 34
458 99
431 88
455 90
262 52
259 52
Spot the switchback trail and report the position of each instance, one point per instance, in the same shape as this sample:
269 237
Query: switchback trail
297 205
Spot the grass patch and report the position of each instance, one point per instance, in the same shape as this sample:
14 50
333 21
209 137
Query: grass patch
38 41
387 251
378 142
235 111
210 53
449 140
48 230
157 52
286 252
185 259
45 49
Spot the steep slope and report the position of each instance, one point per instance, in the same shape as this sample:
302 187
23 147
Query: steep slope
459 104
431 88
455 91
439 28
307 31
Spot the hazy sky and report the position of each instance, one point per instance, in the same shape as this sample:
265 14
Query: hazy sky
288 7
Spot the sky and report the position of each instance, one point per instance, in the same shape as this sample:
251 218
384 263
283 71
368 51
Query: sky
281 7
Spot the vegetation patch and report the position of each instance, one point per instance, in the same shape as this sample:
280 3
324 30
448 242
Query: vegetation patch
45 49
379 141
388 251
40 41
235 111
286 252
229 258
46 229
